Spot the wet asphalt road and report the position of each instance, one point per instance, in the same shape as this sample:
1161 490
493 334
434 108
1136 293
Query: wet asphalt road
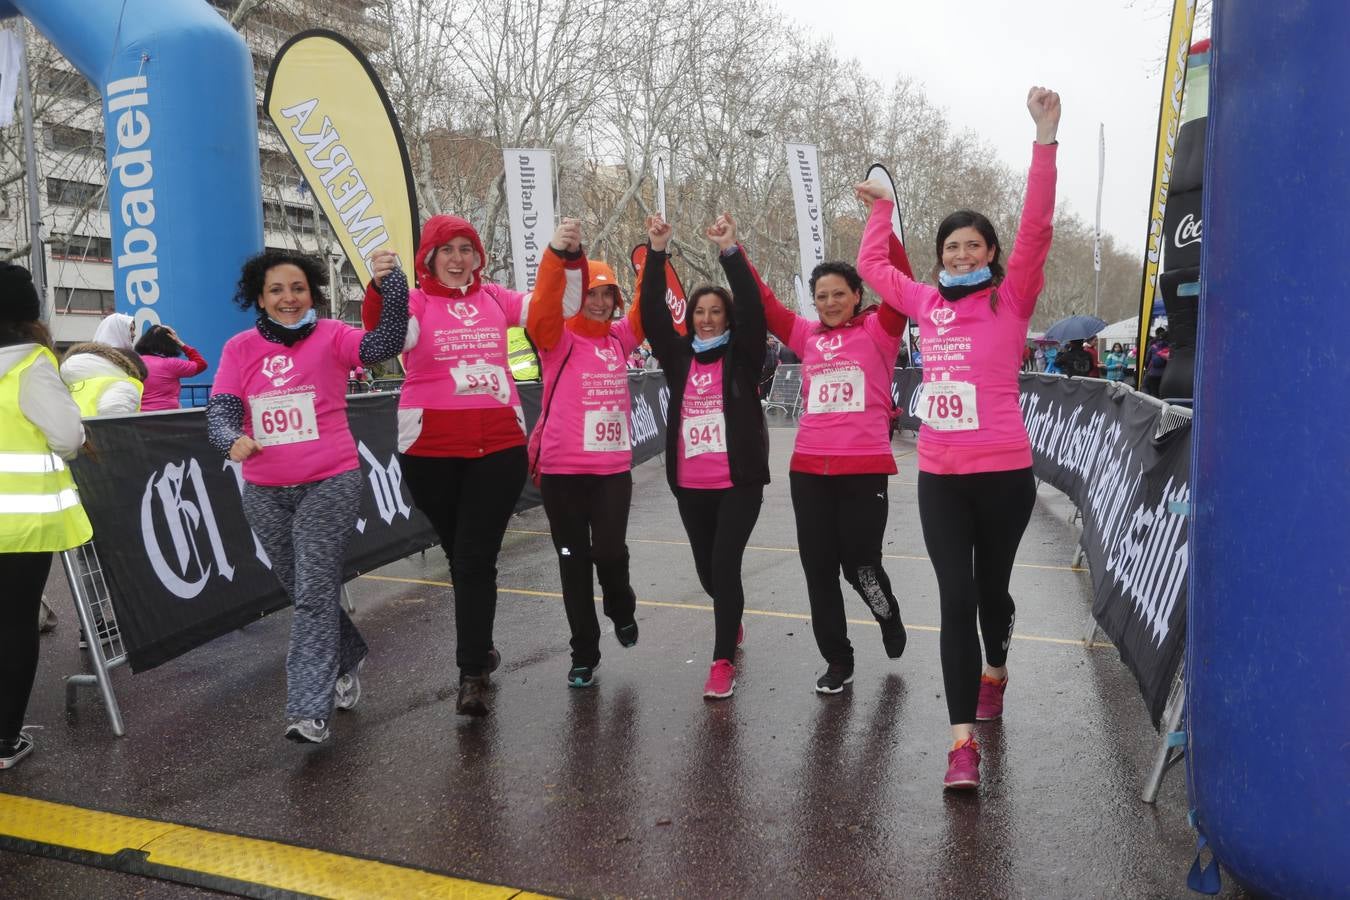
640 787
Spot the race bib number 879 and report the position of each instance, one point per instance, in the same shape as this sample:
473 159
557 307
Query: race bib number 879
836 392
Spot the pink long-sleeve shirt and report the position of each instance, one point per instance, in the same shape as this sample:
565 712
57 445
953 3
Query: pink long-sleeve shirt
972 353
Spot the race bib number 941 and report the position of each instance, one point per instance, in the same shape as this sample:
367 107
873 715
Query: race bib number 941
704 434
288 419
606 430
837 392
949 406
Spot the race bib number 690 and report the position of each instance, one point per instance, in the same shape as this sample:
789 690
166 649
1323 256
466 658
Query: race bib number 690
288 419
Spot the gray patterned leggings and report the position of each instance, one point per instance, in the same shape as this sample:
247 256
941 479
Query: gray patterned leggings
305 530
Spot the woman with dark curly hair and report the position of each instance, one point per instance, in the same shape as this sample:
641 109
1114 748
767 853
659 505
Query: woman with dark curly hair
162 352
279 407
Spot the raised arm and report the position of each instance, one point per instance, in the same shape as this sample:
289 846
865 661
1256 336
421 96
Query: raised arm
1026 264
749 326
656 318
546 314
882 261
386 340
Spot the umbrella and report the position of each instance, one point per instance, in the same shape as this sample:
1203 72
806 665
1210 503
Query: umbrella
1074 328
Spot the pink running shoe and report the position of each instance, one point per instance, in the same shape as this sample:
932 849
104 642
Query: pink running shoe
963 767
721 680
990 705
740 634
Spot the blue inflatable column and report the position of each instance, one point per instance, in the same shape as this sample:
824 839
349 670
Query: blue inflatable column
1268 667
182 137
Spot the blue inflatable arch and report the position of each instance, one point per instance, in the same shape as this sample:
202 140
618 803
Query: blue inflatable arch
181 131
1267 690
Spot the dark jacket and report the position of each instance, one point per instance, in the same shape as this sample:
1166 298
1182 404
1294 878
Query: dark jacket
742 366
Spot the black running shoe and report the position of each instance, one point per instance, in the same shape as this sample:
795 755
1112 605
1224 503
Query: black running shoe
581 676
834 679
627 634
893 635
494 661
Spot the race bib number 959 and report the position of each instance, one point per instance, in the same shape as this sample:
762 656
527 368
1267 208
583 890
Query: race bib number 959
606 430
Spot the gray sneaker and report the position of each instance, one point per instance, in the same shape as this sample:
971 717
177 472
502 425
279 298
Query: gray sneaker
308 731
347 691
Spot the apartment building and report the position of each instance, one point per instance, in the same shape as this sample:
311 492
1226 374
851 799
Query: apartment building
72 196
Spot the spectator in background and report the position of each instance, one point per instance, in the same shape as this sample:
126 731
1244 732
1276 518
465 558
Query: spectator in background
786 357
1075 360
1051 356
117 330
1090 345
104 380
770 366
1039 359
1115 362
39 426
162 352
1155 360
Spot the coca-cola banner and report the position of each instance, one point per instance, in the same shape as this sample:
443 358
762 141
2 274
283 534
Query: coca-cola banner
1098 442
182 565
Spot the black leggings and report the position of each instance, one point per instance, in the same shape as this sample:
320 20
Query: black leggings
588 517
24 575
469 503
841 520
719 523
972 525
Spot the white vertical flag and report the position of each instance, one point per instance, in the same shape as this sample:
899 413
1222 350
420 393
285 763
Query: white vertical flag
804 175
11 50
661 188
1101 175
529 200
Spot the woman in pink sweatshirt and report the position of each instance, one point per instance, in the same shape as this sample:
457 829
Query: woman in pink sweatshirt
841 461
162 351
581 449
976 487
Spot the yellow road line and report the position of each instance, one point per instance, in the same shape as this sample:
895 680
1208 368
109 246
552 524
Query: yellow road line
213 859
704 607
794 550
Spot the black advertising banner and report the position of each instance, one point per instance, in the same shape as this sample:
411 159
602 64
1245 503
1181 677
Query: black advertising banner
1095 441
182 565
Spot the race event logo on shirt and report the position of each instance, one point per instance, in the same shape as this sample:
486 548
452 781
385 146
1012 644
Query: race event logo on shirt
701 382
275 367
829 346
943 317
608 357
465 312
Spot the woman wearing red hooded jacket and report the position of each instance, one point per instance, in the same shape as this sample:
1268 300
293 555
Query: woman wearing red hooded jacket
584 452
461 431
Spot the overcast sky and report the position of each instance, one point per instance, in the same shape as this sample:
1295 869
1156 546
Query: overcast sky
976 58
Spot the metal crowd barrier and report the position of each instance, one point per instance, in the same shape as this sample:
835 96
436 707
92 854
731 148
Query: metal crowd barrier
785 393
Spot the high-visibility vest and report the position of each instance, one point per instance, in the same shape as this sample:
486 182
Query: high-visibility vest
520 354
39 508
88 392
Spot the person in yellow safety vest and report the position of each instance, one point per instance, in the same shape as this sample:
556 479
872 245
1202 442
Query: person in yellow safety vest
104 380
521 355
40 510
